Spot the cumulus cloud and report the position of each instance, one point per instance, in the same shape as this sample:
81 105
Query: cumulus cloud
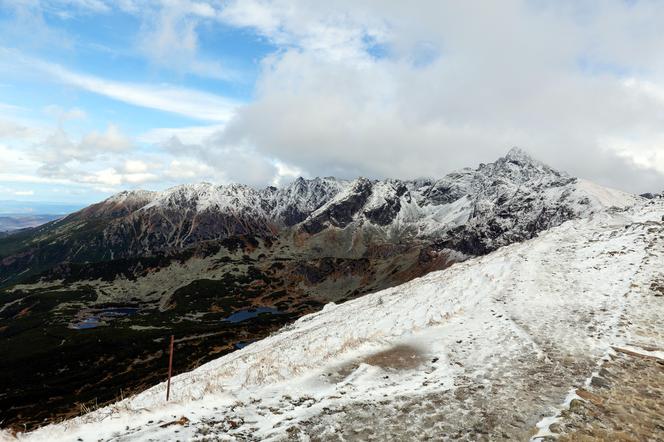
97 158
389 89
11 129
58 148
15 162
336 30
227 163
110 178
392 89
187 135
112 140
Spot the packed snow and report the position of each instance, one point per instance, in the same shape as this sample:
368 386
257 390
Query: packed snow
488 349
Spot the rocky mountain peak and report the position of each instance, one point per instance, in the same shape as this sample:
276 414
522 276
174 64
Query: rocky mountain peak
118 205
652 196
518 155
519 168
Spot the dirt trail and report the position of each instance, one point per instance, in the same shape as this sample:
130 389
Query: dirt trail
623 400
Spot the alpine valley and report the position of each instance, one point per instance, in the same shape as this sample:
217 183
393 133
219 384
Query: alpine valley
87 302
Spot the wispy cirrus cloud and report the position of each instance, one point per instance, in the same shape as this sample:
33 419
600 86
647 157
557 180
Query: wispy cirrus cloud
188 102
169 38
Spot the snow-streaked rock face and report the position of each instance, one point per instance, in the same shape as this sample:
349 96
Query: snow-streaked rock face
651 196
471 211
492 348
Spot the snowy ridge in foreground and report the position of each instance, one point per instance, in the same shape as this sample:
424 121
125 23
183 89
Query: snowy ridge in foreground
491 347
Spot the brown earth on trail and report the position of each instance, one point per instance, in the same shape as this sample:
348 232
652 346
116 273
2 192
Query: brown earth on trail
624 403
397 358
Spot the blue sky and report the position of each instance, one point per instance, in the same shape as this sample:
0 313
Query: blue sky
44 44
97 96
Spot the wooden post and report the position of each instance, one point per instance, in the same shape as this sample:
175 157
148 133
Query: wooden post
170 370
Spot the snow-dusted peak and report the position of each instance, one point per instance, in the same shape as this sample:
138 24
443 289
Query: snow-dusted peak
205 196
118 205
303 191
349 191
653 196
293 203
521 161
131 195
520 155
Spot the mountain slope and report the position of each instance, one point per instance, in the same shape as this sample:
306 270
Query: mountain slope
142 265
498 347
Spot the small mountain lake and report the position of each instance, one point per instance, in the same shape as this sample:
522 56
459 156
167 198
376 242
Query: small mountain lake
92 318
243 315
242 344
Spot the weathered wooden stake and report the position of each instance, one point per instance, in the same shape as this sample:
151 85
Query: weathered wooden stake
170 370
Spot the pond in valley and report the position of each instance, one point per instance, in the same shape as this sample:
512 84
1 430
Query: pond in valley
93 318
243 315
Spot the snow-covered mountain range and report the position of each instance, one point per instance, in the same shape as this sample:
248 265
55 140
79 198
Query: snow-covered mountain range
143 264
561 335
476 210
472 211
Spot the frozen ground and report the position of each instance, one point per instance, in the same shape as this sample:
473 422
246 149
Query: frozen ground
493 348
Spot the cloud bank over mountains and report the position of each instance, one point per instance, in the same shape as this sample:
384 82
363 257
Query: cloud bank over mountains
378 89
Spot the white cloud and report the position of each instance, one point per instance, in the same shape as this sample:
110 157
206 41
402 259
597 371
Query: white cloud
90 5
645 152
5 107
168 98
496 74
5 191
15 162
392 89
113 140
24 192
285 173
10 129
169 36
135 166
111 178
187 102
224 163
186 169
97 159
59 149
62 115
188 135
66 7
